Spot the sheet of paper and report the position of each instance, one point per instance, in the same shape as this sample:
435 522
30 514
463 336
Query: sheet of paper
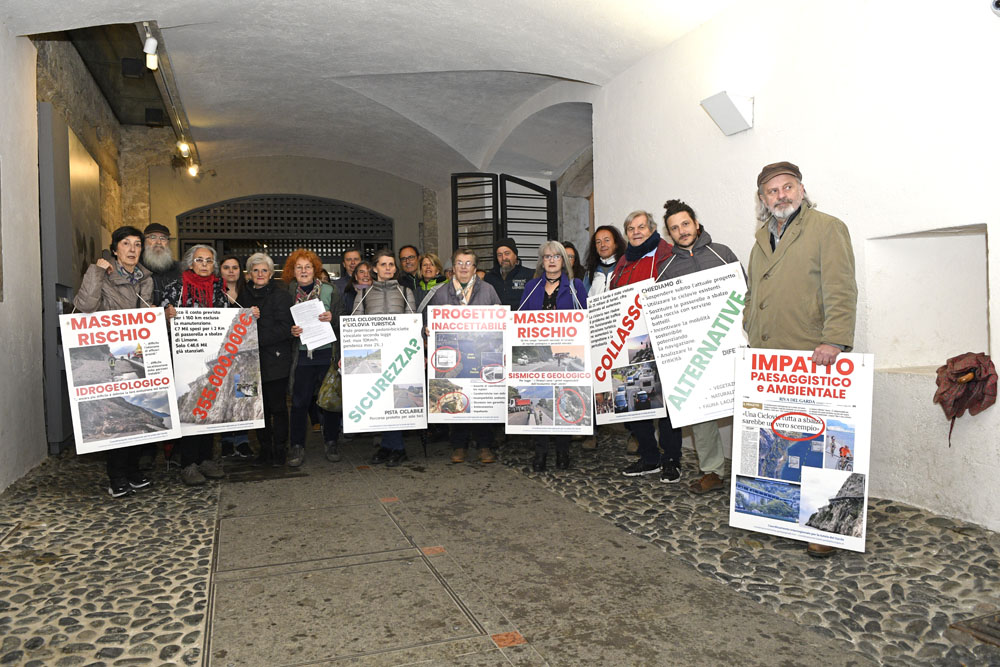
314 332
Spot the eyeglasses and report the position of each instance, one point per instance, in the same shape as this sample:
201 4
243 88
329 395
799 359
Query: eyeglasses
408 258
464 264
157 238
203 261
551 257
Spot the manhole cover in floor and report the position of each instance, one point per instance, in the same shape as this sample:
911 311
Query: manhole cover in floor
984 628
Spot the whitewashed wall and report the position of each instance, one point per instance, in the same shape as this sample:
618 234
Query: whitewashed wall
891 112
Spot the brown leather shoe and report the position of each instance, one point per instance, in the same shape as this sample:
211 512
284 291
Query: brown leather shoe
708 482
458 456
486 456
820 550
590 442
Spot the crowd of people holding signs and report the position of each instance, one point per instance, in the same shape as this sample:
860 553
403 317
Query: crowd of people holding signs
645 331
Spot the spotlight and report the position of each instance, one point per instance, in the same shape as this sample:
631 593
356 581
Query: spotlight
193 170
183 147
149 48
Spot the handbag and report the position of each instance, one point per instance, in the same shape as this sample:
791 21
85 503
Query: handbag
330 397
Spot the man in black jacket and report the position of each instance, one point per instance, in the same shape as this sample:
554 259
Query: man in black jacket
508 277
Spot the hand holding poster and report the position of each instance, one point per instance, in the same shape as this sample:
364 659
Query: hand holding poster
217 369
626 379
696 326
120 378
801 446
549 382
383 372
465 367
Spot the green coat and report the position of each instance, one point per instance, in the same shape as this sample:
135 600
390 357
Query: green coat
804 293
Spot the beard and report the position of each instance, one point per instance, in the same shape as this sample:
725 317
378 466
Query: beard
782 210
157 259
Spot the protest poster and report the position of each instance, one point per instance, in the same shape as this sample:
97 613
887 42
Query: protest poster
383 372
801 446
120 378
217 370
626 379
466 366
549 378
696 323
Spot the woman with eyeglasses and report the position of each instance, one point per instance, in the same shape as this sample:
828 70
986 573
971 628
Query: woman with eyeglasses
200 286
554 287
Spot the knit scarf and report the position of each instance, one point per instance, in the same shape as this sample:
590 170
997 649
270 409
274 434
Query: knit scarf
463 293
303 294
198 290
636 252
134 277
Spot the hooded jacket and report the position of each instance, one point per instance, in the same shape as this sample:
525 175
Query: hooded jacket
702 255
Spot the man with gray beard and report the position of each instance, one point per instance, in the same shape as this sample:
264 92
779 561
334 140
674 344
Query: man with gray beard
156 257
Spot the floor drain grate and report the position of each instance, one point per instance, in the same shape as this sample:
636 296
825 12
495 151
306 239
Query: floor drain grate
984 628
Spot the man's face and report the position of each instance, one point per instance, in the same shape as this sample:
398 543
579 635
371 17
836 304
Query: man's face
605 243
408 260
682 229
465 267
158 247
351 260
782 195
506 258
385 268
638 230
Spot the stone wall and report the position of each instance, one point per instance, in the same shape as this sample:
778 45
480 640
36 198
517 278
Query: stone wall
429 227
142 148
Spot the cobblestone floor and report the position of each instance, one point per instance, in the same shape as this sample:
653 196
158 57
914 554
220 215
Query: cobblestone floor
895 602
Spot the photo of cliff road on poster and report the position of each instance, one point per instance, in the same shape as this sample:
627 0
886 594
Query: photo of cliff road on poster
217 370
465 367
696 323
549 382
801 446
120 379
382 373
627 383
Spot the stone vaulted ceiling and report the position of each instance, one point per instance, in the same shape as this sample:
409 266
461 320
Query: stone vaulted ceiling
415 89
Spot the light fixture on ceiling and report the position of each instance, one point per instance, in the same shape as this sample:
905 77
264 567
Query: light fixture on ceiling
193 169
184 148
149 48
731 113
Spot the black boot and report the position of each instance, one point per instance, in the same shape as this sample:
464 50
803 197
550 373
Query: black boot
266 454
562 460
538 464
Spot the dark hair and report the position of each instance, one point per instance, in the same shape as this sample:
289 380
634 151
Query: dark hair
368 265
344 254
384 252
408 246
593 258
124 232
675 206
577 264
241 282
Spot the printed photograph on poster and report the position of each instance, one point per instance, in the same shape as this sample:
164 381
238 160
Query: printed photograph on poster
636 388
217 370
384 388
530 406
573 406
838 450
465 365
120 378
766 498
529 358
639 349
832 501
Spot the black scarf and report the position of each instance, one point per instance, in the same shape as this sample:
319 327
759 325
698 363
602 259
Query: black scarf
634 253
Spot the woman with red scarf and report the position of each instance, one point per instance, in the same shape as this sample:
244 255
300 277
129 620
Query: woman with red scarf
199 287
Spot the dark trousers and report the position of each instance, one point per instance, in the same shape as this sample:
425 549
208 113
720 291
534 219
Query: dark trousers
274 435
308 379
670 441
123 462
561 442
195 448
462 433
390 439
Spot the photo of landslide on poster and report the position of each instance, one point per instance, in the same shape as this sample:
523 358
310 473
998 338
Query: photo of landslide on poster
549 380
383 373
217 369
465 367
801 445
627 381
120 378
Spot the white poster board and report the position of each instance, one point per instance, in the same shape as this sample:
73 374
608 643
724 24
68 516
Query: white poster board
120 379
549 378
627 383
801 446
465 369
382 367
696 326
217 370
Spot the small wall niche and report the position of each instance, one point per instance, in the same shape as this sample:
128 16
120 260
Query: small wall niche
927 296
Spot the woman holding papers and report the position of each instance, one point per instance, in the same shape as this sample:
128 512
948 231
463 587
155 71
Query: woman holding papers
309 366
553 288
118 282
271 305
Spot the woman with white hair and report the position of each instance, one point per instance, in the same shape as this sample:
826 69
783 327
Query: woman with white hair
271 304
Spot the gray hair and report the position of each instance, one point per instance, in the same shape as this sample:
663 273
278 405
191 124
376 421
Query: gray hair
761 210
650 221
547 248
260 258
188 260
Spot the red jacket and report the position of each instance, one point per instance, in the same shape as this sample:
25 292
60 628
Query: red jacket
626 272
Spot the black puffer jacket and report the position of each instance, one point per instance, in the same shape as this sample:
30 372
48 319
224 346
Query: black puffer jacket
274 328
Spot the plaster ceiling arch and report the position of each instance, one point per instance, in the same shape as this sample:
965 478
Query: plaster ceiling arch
546 143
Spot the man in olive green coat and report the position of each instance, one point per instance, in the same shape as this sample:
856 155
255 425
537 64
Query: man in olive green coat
802 294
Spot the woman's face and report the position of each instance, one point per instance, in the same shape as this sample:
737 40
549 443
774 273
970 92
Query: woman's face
260 275
230 270
427 269
128 251
385 268
363 274
304 272
552 261
572 256
203 264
